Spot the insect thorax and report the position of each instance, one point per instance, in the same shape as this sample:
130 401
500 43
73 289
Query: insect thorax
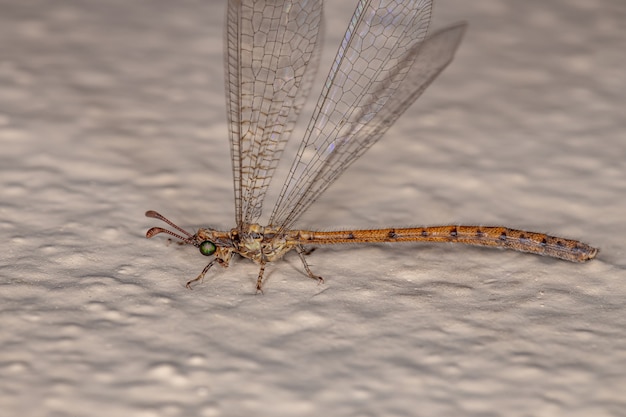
256 242
263 243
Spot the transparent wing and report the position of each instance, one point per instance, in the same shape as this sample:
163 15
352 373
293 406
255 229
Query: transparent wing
269 46
383 65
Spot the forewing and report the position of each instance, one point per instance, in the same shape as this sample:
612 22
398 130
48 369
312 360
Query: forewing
271 57
383 65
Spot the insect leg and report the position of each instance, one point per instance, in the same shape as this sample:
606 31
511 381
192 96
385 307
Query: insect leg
259 280
223 259
301 252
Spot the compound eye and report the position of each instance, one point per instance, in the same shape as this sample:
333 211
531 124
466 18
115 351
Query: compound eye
207 248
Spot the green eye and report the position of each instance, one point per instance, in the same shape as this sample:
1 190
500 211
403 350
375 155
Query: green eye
207 248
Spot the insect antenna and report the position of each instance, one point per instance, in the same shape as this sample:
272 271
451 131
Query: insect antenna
188 238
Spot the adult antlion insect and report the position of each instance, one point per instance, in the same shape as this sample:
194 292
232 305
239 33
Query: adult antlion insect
384 63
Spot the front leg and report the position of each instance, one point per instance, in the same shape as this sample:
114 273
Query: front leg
222 257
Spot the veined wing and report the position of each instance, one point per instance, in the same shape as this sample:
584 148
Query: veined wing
269 46
383 64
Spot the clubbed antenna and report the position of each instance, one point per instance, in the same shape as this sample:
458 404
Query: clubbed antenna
188 238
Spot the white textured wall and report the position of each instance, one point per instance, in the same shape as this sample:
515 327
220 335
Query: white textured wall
108 109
